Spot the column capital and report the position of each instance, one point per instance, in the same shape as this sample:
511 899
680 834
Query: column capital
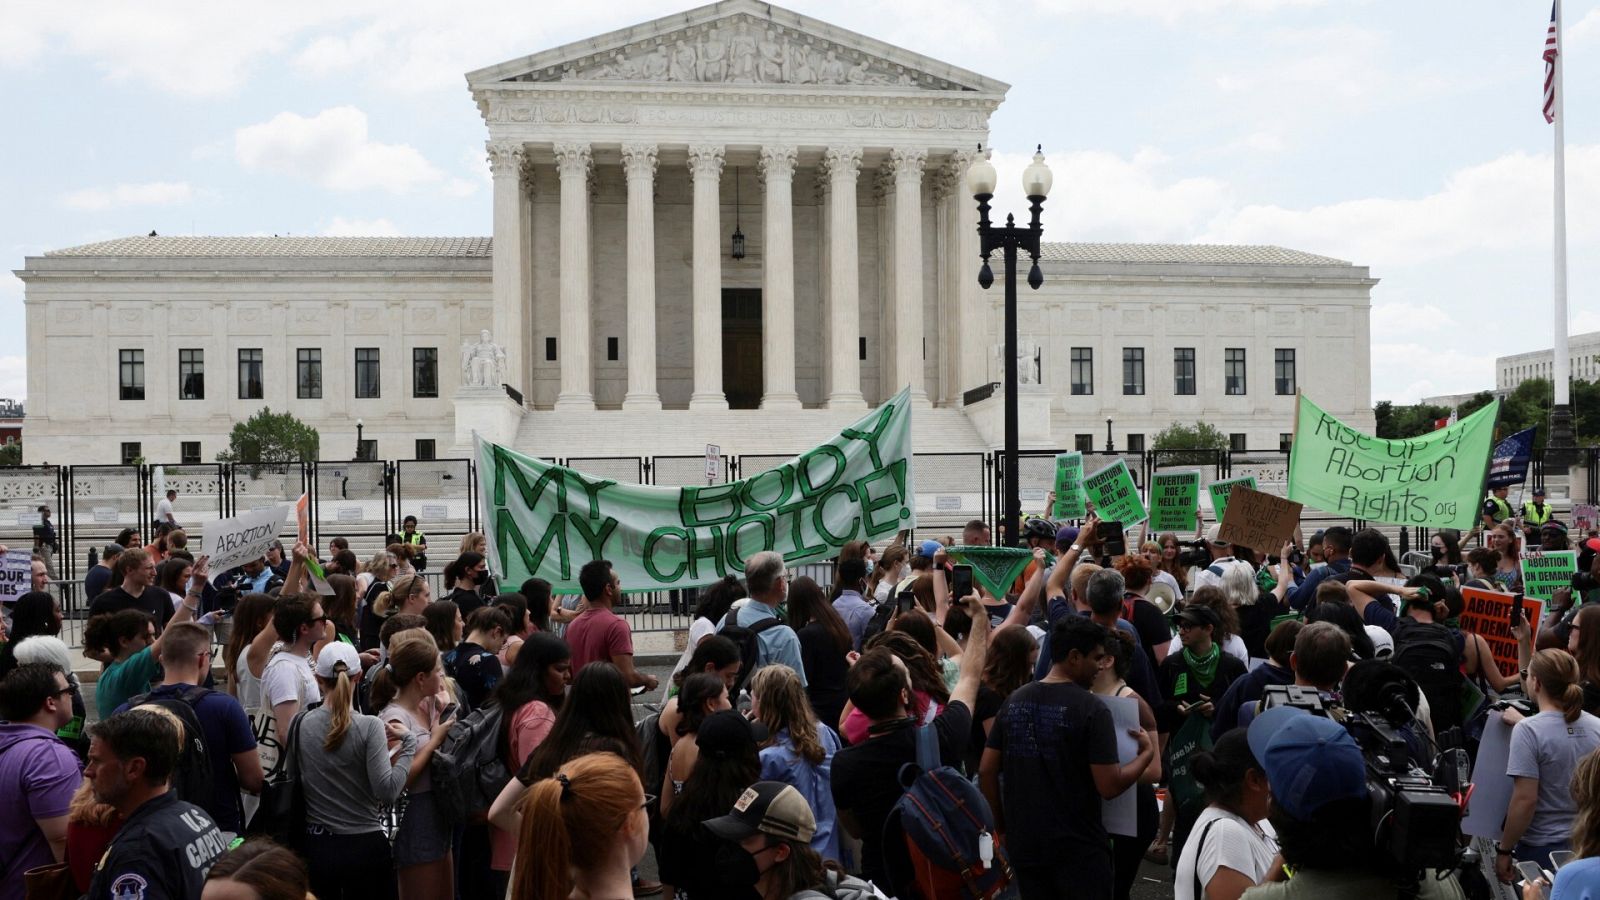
573 160
943 183
528 180
705 160
883 182
842 163
639 160
951 178
506 157
777 162
907 162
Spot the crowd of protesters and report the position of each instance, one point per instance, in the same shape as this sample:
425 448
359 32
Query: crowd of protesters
777 763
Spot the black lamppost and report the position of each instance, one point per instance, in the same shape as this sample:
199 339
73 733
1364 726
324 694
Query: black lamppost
359 442
1109 447
1010 239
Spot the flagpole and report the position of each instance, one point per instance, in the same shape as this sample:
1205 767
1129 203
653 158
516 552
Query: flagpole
1561 413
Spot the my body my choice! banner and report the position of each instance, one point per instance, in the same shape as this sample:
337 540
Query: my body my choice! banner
546 521
1435 479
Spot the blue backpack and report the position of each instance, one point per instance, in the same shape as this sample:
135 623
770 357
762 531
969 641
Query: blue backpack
943 818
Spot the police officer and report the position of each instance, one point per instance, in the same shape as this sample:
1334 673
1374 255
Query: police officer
1536 512
1496 509
165 846
418 542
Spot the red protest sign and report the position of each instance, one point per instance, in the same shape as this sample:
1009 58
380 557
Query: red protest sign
1488 613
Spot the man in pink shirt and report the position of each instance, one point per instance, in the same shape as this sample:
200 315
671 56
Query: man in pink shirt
600 635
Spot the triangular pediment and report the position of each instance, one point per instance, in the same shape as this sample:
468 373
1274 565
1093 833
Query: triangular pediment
737 42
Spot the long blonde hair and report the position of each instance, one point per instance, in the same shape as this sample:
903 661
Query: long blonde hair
564 819
1586 790
339 702
398 593
783 705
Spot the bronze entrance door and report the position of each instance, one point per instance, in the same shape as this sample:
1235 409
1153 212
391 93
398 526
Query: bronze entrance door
741 347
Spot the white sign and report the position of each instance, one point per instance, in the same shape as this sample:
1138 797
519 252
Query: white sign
433 512
713 462
348 514
1120 814
946 502
16 575
106 514
234 542
28 518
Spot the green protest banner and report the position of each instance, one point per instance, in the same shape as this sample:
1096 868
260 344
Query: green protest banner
1114 495
1174 496
546 521
1069 486
1219 491
1434 480
1546 571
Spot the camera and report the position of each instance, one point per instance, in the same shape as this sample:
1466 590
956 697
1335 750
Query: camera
1415 818
1583 583
1193 553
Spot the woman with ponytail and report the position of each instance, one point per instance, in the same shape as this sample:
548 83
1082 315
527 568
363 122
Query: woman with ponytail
582 832
1581 878
348 774
406 689
1545 750
406 594
1227 851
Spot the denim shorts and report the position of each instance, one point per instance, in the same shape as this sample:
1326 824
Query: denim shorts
422 836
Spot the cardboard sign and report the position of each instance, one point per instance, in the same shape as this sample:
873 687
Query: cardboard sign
1069 486
1546 571
1258 520
1219 491
1114 495
16 575
1488 613
234 542
302 520
1585 518
1174 497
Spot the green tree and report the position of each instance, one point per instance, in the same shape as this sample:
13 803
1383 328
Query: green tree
269 437
1474 403
11 454
1200 437
1406 421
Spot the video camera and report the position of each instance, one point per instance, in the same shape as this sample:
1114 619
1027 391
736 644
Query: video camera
1415 818
1193 553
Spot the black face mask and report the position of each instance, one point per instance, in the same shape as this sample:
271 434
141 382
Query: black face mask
735 873
1437 552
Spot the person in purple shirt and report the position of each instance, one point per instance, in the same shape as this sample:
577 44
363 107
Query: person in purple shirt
38 772
851 606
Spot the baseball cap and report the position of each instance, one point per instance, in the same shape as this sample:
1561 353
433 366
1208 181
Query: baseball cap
929 548
1310 761
1382 641
726 734
1593 544
111 550
1199 615
334 653
1066 536
1214 535
1538 492
767 807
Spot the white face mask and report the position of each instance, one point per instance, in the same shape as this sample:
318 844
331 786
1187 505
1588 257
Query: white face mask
871 564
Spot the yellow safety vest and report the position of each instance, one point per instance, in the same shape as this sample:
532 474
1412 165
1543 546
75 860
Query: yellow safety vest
1534 515
1503 508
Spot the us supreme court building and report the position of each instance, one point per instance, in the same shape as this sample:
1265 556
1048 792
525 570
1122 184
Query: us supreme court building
620 319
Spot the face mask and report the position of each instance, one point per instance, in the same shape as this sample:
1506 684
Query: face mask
871 564
1438 553
735 872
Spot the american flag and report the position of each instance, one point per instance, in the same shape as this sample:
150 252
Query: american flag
1552 49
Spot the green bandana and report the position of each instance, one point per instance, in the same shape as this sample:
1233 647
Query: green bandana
993 567
1204 668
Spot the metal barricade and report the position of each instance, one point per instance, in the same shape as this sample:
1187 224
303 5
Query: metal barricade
443 495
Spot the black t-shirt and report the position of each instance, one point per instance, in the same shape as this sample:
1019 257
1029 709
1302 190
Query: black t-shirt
1180 685
826 668
475 669
154 601
987 707
96 581
1049 734
866 777
1152 627
466 600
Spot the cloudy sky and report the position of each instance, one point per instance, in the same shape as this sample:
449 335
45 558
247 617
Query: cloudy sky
1401 136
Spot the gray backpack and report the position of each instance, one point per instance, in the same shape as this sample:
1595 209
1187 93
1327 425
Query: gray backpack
841 887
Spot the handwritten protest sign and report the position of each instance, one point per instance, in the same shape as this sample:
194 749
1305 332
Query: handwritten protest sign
1069 486
236 541
546 521
1114 495
16 575
1431 480
1174 496
1584 518
1546 571
1258 520
1219 491
1488 613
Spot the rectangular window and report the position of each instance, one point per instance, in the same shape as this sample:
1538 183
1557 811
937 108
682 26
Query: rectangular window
1236 442
1233 372
250 374
1135 443
308 373
425 373
550 349
366 373
425 448
189 451
191 374
1283 372
131 453
1133 370
1183 371
130 365
1082 370
611 349
1083 443
861 348
1285 438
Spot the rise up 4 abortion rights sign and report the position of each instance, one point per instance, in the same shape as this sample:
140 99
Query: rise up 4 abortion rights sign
1434 480
546 521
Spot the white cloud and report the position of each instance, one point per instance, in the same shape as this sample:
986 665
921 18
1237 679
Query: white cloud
154 193
1584 321
1173 10
342 227
1407 372
333 150
1584 30
1100 196
14 377
1390 319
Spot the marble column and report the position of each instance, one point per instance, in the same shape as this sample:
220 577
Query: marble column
908 365
506 159
705 168
639 164
972 304
777 281
573 162
844 279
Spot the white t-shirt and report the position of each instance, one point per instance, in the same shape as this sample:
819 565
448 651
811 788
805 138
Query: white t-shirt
1232 842
1233 646
700 629
164 510
288 676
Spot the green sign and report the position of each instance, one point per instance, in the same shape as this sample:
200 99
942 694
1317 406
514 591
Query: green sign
1114 495
994 567
1546 571
1069 486
1435 480
546 521
1174 496
1219 491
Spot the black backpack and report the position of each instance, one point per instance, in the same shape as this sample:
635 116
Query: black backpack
749 646
1430 654
192 776
468 770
